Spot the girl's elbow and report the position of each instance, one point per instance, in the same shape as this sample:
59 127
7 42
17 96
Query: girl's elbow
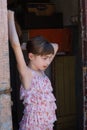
56 47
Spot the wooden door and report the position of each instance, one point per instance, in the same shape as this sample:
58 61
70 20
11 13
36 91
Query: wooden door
64 90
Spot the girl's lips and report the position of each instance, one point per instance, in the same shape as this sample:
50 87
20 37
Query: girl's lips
45 67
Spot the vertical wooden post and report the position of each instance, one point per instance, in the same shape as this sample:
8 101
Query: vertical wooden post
83 12
5 97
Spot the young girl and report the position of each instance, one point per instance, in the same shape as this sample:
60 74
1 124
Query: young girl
36 89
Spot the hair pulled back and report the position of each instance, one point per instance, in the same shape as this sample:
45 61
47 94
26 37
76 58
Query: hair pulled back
39 46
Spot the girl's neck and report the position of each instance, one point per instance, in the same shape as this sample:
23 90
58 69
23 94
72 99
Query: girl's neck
31 66
39 72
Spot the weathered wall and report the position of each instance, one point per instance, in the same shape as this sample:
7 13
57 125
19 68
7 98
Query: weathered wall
5 100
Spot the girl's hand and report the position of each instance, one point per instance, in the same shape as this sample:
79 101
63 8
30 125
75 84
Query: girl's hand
10 14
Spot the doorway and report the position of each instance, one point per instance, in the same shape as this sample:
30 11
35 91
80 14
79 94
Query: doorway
66 73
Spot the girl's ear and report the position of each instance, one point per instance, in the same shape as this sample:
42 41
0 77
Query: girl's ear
31 56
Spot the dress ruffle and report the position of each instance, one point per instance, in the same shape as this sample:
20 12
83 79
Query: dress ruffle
39 103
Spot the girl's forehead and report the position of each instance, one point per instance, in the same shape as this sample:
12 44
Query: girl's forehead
48 55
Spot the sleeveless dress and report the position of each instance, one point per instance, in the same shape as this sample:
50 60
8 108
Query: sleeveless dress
39 103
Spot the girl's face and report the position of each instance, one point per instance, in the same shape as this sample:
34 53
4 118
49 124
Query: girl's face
40 62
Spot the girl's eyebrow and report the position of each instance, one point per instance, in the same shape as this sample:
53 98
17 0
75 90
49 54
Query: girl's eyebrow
45 56
48 56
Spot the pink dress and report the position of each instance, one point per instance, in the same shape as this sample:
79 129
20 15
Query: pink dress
39 103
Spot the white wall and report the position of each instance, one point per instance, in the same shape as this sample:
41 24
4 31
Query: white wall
68 8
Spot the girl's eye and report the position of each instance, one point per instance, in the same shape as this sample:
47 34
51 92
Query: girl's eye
44 58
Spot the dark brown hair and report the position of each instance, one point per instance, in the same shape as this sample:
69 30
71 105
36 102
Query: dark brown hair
39 46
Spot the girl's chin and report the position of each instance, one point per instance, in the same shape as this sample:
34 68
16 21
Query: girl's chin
44 68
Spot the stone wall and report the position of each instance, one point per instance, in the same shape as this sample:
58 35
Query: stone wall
5 98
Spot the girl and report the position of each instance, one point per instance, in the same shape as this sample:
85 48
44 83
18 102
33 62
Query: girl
36 89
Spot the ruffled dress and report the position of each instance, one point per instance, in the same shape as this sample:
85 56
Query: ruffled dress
39 103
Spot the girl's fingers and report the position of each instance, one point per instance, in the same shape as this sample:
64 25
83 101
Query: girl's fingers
10 13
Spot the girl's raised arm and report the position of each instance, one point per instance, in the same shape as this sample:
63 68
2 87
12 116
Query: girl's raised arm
14 40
